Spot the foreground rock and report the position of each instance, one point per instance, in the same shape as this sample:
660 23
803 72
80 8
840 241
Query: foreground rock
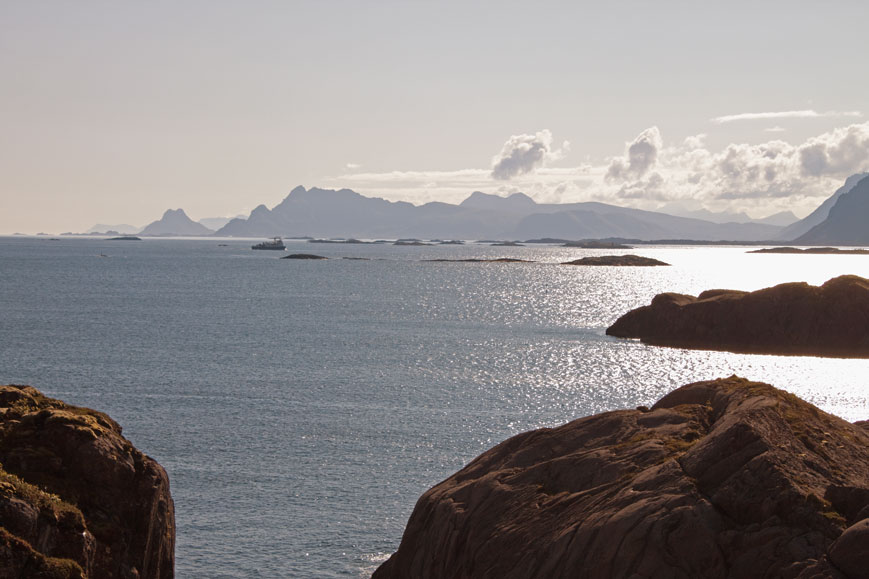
727 478
629 260
791 318
76 498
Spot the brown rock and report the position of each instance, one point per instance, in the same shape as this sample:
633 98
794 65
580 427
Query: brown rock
850 552
76 498
727 478
791 318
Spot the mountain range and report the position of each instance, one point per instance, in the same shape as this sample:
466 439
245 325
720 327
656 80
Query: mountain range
347 214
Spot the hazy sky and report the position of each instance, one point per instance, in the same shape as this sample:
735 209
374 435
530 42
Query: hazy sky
114 111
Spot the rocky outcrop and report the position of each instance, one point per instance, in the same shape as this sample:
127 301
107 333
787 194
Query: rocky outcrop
791 318
626 260
720 479
76 498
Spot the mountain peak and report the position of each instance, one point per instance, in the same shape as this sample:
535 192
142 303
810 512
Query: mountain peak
480 200
846 221
817 216
175 222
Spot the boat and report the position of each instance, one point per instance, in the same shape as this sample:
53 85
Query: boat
275 243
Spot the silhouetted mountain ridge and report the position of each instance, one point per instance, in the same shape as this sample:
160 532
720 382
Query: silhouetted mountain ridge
345 213
175 222
846 223
814 218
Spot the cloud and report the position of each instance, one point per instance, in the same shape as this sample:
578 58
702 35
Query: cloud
775 129
759 178
352 166
525 153
841 152
804 114
640 156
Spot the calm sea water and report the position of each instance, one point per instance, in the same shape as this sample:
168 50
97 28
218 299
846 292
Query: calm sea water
301 407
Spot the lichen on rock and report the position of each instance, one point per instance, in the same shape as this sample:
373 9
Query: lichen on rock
76 498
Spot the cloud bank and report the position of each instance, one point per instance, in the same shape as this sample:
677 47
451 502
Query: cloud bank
650 173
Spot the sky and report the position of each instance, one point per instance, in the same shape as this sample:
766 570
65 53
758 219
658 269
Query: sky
112 112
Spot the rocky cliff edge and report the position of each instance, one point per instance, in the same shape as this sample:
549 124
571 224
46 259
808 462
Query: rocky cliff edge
76 498
727 478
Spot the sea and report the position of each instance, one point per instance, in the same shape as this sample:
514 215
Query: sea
302 407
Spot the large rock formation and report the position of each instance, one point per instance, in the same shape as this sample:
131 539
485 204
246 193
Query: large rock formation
76 498
727 478
791 318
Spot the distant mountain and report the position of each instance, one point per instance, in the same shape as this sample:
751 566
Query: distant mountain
345 213
847 221
814 218
122 228
781 219
706 215
215 223
515 203
175 222
599 220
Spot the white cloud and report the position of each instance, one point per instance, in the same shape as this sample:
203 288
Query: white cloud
804 114
352 166
841 152
640 156
525 153
775 129
759 178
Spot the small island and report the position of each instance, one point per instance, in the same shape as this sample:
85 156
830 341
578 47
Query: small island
812 251
791 319
304 256
125 238
596 244
622 260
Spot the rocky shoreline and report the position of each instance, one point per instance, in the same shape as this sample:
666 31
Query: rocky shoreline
726 478
76 498
792 319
